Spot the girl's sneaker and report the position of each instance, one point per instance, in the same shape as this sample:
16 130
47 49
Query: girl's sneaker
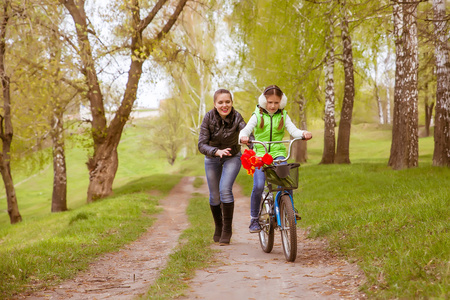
254 226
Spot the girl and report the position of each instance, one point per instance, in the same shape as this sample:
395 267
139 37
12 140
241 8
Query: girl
268 121
218 141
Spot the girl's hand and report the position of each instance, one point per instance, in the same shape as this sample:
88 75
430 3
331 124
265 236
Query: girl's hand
224 152
244 140
307 135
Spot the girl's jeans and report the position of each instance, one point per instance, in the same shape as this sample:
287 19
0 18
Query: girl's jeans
220 175
258 188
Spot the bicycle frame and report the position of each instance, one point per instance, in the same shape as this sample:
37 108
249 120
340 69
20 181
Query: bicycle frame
277 206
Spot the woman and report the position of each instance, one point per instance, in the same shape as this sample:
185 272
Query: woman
218 141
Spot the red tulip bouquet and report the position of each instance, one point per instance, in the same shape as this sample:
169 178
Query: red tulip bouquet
250 161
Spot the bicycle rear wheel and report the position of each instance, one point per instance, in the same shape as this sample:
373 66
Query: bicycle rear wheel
266 235
288 228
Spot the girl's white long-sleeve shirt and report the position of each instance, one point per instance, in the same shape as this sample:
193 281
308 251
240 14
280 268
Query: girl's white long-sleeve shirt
290 127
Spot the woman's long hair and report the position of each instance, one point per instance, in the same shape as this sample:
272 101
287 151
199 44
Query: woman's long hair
222 91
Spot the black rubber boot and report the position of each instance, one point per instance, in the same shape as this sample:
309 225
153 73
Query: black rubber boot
228 209
217 215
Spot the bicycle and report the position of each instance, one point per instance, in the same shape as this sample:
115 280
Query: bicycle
279 212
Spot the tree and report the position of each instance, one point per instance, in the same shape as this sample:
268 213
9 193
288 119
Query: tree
48 94
6 128
169 130
441 155
278 44
192 68
104 162
404 147
345 123
329 142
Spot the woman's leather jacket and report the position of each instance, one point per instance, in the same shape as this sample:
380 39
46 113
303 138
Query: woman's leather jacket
217 133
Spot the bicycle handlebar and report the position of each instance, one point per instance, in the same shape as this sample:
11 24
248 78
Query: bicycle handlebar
264 144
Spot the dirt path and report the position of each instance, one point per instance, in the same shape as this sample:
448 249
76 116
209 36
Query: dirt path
240 271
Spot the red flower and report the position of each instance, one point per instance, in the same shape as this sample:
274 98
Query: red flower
267 159
250 161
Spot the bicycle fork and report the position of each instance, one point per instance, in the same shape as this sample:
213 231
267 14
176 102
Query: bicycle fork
277 206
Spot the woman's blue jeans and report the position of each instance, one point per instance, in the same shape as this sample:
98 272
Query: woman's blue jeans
259 180
220 175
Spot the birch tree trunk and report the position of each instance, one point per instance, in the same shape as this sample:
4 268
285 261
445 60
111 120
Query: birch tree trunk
388 105
411 85
379 104
441 155
397 126
59 195
6 128
404 147
428 110
377 94
329 138
300 148
345 124
387 83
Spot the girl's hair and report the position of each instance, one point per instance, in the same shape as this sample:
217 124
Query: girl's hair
272 90
222 91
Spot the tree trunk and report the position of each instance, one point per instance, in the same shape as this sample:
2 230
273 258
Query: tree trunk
104 163
441 155
300 148
343 142
397 126
428 111
59 196
387 81
411 86
6 128
404 148
388 106
376 91
380 105
329 136
102 170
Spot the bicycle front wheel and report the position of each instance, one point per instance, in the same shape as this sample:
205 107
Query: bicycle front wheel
266 235
288 228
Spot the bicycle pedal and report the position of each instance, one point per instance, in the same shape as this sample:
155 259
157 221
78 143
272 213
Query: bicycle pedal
297 217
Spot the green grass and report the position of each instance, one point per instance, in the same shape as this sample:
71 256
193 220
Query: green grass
395 224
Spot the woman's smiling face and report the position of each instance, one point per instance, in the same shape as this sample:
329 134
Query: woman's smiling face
223 104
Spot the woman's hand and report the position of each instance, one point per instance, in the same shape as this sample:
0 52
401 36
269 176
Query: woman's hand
244 140
223 152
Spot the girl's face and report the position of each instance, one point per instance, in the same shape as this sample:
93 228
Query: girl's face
273 103
223 104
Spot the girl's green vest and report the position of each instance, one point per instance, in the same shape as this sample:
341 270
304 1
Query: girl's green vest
270 132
